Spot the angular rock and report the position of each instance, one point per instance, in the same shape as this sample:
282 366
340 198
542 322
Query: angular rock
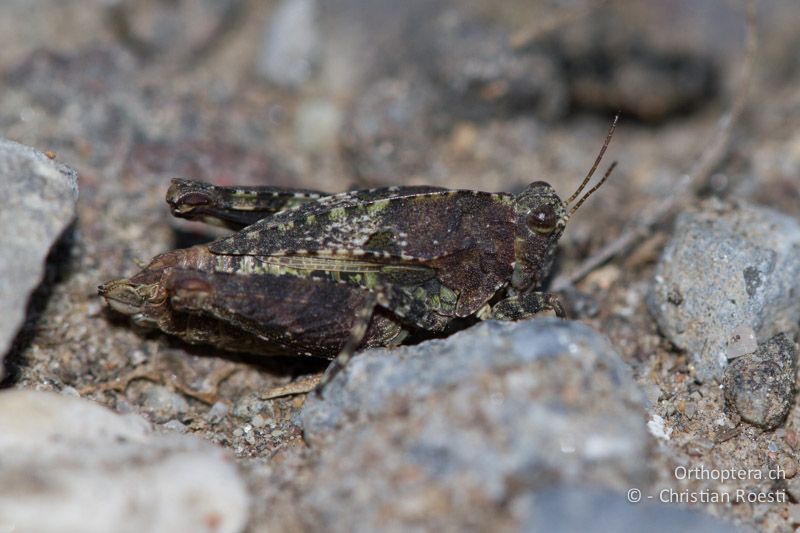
728 268
71 465
760 385
454 428
39 198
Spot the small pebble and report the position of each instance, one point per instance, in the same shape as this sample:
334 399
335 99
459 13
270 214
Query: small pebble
652 394
699 446
176 426
604 278
760 386
258 421
789 467
247 407
217 412
93 309
138 357
70 391
791 439
658 429
163 402
742 342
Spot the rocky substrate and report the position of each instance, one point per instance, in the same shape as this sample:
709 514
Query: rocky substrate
666 403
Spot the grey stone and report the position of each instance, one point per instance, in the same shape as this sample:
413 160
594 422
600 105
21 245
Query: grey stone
453 428
728 269
163 403
39 198
291 43
69 464
572 509
760 386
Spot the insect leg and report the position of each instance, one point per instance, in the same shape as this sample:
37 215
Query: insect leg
363 318
232 207
405 305
290 315
526 306
411 307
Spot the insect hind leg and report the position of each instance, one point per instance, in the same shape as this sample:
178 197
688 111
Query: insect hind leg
400 303
232 207
291 315
525 306
357 333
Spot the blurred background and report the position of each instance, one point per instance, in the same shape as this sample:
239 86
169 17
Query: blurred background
341 94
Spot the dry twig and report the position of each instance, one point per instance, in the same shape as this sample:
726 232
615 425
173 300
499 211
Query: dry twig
301 386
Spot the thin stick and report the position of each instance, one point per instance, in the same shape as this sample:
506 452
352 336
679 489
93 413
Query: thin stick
690 182
301 386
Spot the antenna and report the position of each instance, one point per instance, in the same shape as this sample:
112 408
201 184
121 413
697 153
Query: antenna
585 196
594 167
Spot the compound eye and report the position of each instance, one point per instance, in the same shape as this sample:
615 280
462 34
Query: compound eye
542 219
194 199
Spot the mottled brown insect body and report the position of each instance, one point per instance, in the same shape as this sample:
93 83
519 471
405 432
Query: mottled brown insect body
315 274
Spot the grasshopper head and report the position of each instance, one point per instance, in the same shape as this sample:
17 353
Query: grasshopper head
144 296
186 198
126 297
541 219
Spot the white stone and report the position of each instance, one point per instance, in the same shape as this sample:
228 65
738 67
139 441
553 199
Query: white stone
68 464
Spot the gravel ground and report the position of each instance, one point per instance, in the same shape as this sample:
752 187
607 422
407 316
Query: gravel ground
564 417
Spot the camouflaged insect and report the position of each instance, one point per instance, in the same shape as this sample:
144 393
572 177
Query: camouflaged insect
324 275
